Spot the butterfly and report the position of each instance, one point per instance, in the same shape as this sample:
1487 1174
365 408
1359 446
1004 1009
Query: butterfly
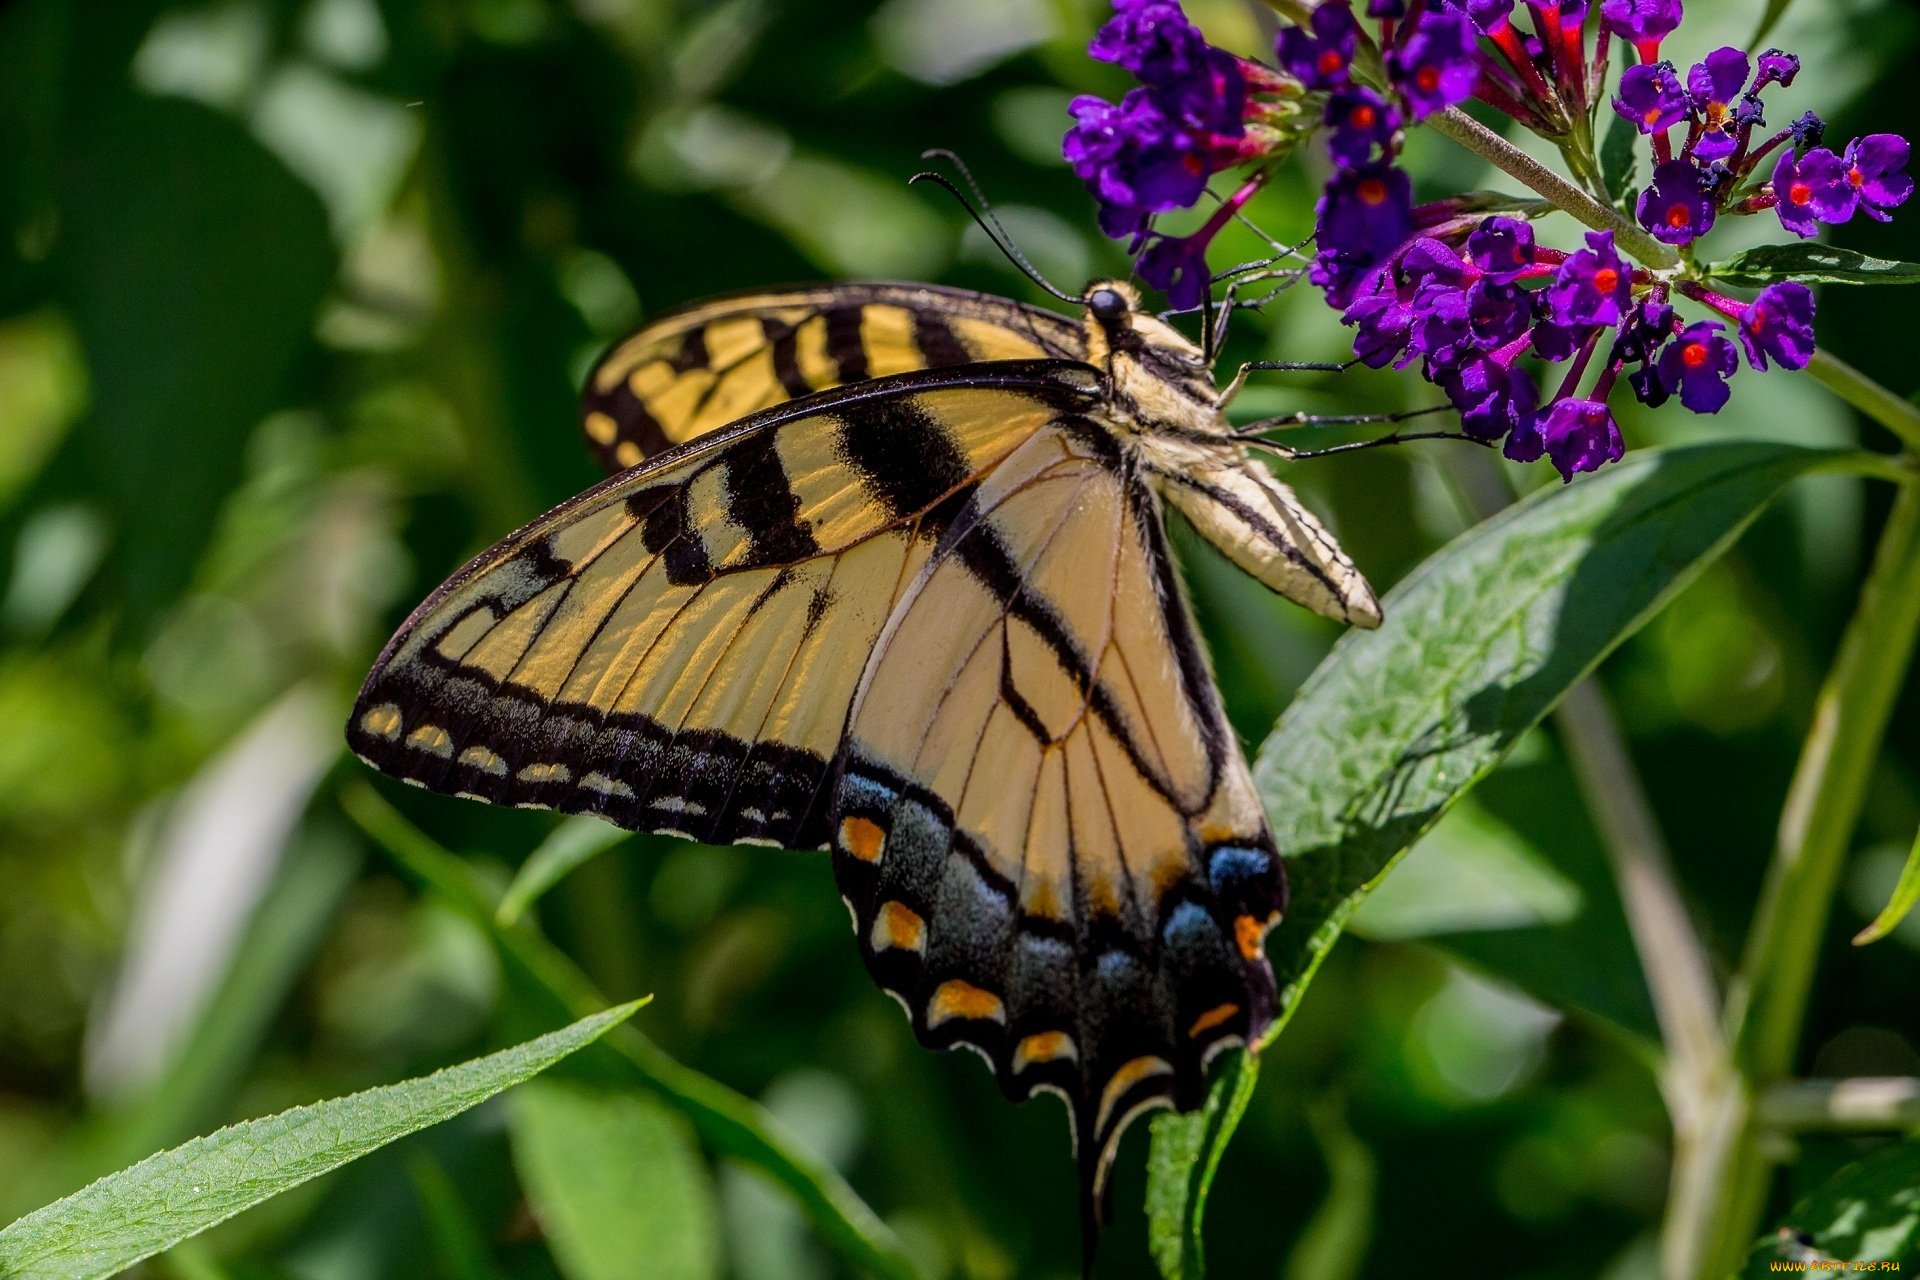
883 569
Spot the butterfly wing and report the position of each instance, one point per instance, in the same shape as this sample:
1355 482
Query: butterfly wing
699 369
1046 830
676 649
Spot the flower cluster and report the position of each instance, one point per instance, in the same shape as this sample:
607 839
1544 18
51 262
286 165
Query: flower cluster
1714 171
1199 111
1466 293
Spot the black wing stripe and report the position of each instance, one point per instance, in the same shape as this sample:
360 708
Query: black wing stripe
904 454
760 499
845 347
784 343
939 345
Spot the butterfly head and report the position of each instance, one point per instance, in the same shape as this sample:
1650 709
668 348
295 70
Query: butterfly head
1165 376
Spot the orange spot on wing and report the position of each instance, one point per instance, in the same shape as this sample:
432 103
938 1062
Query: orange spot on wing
1043 1046
863 838
1214 1016
956 999
898 927
1250 933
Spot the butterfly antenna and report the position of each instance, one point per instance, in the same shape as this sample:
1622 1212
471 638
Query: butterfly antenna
987 220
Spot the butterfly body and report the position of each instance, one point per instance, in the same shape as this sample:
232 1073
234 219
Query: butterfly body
913 602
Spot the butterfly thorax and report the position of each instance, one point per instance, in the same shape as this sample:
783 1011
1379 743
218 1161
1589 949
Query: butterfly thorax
1158 381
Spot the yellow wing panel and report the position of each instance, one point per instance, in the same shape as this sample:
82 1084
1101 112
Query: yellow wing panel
694 371
676 649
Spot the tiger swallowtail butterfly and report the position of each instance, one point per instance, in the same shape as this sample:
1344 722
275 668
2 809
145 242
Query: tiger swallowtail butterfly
882 569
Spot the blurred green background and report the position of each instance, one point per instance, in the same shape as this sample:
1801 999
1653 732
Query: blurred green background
294 299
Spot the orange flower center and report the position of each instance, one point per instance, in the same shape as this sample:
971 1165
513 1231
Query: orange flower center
1193 164
1373 191
1606 279
1362 117
1331 61
1756 319
1679 216
1799 193
1693 355
1428 78
1652 116
1856 177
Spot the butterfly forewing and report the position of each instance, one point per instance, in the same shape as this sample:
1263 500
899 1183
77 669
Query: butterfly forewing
676 649
1049 838
702 368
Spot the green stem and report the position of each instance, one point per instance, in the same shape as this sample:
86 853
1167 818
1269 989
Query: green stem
1767 1001
1509 159
1898 416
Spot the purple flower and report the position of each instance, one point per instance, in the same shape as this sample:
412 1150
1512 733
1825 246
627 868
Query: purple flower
1579 435
1807 131
1556 342
1678 207
1443 328
1644 22
1779 323
1696 365
1713 85
1812 188
1493 397
1502 248
1367 211
1498 313
1152 39
1874 170
1718 80
1359 120
1776 67
1489 15
1177 266
1429 264
1592 286
1647 387
1651 97
1323 59
1438 65
1341 273
1646 327
1384 323
1134 159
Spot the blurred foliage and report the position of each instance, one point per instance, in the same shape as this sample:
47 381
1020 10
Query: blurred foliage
294 299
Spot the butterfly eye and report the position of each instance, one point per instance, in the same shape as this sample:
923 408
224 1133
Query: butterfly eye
1107 304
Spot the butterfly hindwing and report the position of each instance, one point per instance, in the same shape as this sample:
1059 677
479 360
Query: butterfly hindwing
702 368
676 649
1048 836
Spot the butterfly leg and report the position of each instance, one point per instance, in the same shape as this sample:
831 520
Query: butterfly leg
1239 382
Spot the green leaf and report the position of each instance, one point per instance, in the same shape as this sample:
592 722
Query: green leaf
1619 153
617 1183
1478 645
1905 894
573 842
1472 872
732 1123
164 1199
1810 264
1867 1212
1185 1155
